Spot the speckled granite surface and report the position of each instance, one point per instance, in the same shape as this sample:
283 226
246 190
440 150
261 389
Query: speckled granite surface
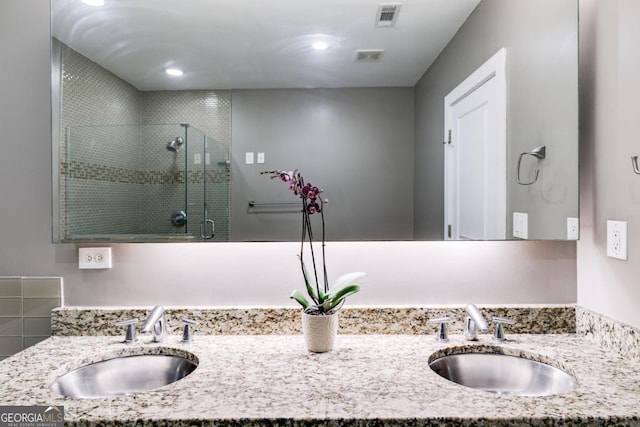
612 335
353 320
368 380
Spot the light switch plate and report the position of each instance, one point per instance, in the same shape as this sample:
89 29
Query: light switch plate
617 239
573 228
249 158
520 225
260 158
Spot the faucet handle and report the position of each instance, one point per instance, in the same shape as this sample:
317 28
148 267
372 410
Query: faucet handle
187 334
130 336
442 328
499 333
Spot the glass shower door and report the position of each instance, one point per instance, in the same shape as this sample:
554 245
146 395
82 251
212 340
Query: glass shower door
208 187
217 187
123 183
163 194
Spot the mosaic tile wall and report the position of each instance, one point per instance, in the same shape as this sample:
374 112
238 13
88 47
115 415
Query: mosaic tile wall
101 190
167 188
164 180
25 311
208 113
104 166
84 81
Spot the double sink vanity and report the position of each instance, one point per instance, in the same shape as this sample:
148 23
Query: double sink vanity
251 367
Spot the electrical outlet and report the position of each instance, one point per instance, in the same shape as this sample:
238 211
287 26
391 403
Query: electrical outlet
94 258
248 158
520 225
573 228
617 239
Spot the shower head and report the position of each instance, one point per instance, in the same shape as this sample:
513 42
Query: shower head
175 144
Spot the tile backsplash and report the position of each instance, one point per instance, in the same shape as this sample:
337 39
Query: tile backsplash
25 311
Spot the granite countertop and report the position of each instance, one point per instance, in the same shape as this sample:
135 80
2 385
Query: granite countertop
367 380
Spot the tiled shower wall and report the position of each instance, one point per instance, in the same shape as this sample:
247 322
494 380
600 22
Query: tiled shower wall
83 82
100 161
129 206
208 111
25 311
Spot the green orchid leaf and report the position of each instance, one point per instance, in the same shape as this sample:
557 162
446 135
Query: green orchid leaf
310 290
336 299
297 295
323 297
346 291
344 280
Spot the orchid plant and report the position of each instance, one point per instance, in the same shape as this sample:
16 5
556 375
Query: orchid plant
322 298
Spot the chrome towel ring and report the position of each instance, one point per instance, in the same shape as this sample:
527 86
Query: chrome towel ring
539 153
634 163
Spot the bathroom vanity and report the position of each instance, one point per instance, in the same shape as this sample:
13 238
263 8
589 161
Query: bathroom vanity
367 380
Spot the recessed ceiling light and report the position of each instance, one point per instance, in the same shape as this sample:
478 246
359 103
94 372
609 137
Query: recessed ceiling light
320 45
174 72
94 2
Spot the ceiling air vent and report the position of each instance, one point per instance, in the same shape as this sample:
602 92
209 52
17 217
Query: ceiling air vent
369 55
387 14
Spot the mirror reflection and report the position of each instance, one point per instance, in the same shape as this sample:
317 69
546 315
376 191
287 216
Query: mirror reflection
166 112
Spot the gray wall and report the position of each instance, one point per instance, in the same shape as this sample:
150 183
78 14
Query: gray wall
355 143
610 89
541 38
226 273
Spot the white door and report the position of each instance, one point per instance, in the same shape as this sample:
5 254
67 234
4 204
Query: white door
475 155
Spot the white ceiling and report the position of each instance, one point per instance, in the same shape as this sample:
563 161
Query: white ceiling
249 44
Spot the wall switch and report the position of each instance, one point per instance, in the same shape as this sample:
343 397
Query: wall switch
573 228
94 258
260 157
521 225
617 239
248 158
197 159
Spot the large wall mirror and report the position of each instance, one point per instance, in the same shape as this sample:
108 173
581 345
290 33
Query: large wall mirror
420 119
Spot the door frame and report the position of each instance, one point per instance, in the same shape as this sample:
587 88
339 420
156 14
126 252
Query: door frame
493 69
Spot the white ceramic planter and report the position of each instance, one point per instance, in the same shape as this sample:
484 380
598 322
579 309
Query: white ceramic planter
320 331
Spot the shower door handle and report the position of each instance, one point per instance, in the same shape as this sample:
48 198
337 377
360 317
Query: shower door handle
206 226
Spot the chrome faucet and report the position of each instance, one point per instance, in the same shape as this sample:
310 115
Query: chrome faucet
156 324
473 323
